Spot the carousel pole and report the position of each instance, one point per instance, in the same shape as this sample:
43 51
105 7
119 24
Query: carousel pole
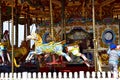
12 14
51 17
28 24
0 21
119 31
16 22
25 26
63 21
94 36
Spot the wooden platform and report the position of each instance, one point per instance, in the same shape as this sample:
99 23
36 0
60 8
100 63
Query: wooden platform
34 68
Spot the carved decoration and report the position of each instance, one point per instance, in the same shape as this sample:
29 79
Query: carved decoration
73 9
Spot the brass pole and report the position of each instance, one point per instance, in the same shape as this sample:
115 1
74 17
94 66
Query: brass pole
94 36
51 20
12 14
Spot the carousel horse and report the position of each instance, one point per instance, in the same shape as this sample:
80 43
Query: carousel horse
52 47
19 52
3 51
2 54
3 46
74 49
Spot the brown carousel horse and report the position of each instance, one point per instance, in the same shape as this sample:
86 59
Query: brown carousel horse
19 52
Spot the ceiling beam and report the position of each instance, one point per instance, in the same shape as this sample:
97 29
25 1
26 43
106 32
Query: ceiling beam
104 3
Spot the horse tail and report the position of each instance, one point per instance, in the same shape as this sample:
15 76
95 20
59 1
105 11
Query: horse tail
15 63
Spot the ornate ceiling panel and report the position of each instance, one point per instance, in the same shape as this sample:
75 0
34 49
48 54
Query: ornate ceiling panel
40 9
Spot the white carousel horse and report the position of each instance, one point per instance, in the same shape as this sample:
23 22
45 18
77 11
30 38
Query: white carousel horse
55 48
74 49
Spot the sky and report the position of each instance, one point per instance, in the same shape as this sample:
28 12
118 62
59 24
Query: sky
8 26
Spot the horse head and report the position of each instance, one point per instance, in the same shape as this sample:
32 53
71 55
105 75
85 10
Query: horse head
33 36
36 37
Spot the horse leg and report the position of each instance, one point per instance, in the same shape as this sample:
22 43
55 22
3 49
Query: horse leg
30 55
85 59
8 56
3 59
77 53
81 55
66 56
2 56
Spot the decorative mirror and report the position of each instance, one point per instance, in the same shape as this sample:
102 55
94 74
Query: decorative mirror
108 36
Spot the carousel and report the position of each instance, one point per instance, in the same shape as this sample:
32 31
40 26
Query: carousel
70 35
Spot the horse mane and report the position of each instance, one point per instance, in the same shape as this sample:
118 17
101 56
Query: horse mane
39 40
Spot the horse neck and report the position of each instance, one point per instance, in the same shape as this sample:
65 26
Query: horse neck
39 41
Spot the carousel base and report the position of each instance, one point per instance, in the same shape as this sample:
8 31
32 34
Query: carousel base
28 67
